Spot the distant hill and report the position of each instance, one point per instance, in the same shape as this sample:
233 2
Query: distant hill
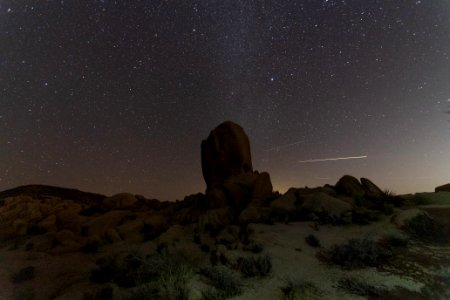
45 191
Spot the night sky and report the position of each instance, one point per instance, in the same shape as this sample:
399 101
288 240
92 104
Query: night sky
116 96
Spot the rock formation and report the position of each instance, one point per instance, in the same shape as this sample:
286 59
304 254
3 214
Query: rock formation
228 172
443 188
224 153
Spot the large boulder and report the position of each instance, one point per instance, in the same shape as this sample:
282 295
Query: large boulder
327 208
443 188
371 190
350 186
262 189
285 205
224 153
100 224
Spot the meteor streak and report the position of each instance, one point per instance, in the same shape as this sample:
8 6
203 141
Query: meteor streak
278 148
330 159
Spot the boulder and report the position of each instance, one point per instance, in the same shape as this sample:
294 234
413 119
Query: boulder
65 237
350 186
250 214
371 190
154 226
132 231
214 219
215 198
67 242
20 227
443 188
327 208
68 219
49 223
111 235
100 224
226 152
120 201
285 205
262 189
238 189
42 243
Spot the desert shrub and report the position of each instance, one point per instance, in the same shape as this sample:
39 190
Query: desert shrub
425 228
250 266
312 240
357 287
356 253
363 216
253 247
128 271
421 199
24 274
173 281
146 291
159 277
224 282
299 291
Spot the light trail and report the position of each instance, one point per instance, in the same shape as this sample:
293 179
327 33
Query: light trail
330 159
278 148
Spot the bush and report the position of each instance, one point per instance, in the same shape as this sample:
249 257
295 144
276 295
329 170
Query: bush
357 287
253 247
425 228
146 291
128 271
356 253
251 266
304 290
312 240
224 282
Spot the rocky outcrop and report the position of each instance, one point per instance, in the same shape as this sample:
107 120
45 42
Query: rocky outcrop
229 176
371 191
349 186
224 153
443 188
327 208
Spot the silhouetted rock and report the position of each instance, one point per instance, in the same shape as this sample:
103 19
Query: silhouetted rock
46 191
224 153
262 189
228 173
120 201
286 205
327 208
443 188
350 186
371 190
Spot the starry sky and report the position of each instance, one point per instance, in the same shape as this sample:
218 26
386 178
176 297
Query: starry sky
116 96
